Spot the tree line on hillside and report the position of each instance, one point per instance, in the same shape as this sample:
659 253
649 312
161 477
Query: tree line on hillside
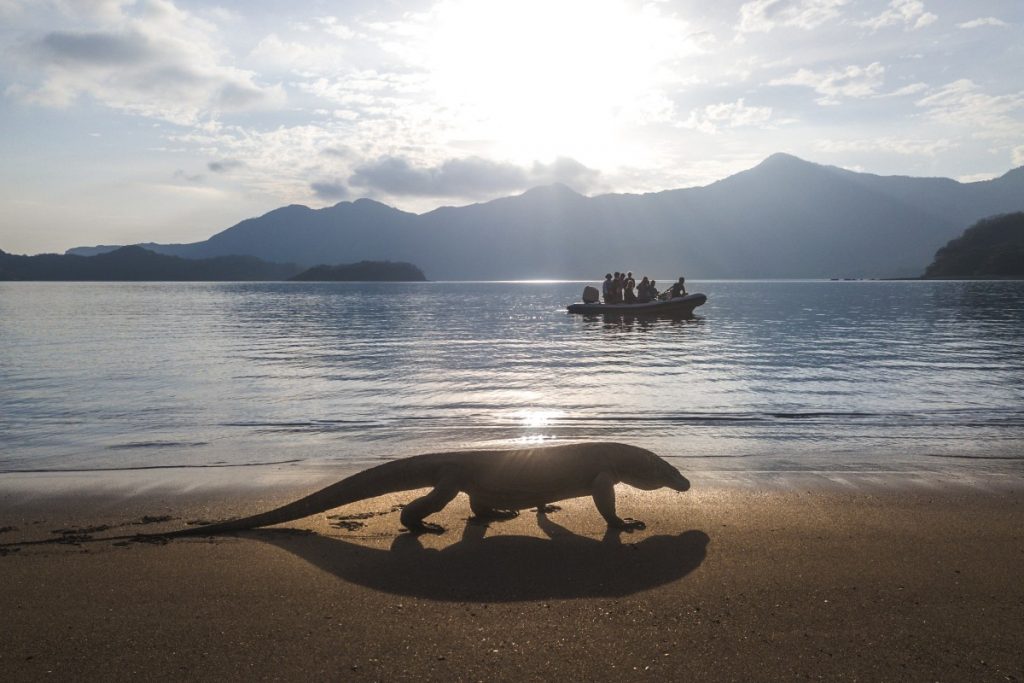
136 264
991 248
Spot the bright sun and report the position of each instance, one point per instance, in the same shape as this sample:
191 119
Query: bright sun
540 79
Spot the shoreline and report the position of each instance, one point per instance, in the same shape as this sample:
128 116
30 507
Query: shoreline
289 479
871 582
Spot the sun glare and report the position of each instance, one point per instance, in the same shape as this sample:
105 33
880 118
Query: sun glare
540 79
536 418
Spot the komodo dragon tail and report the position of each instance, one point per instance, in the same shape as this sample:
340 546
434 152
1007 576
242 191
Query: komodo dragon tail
399 475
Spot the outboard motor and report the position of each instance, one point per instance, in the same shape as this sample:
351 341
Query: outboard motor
591 295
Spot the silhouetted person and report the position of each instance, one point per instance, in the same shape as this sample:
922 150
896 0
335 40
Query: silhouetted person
627 289
644 293
679 288
617 288
606 288
656 293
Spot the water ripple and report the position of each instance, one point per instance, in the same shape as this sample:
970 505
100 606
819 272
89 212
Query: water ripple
771 375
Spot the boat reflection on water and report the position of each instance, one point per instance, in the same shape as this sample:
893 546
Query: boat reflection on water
628 322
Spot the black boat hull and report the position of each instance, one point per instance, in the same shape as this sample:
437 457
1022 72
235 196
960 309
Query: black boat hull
681 305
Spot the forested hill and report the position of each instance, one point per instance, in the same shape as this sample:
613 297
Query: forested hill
991 248
138 264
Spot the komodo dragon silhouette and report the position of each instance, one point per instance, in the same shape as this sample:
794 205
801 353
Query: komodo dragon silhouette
498 483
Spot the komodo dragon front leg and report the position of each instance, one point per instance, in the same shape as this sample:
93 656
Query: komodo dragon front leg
604 499
414 513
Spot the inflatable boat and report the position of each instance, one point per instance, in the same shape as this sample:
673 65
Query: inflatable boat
680 305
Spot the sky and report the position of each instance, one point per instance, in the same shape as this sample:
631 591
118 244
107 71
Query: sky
125 121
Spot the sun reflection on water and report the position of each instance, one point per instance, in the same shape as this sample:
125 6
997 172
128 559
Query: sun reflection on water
537 418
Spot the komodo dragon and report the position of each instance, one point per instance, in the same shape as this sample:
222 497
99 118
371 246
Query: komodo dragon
498 483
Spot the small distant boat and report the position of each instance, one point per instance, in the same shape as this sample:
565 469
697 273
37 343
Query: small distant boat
680 305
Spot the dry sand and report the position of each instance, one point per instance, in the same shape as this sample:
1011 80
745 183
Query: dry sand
891 581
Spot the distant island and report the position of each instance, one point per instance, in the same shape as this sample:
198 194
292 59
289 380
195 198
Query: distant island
137 264
991 248
364 271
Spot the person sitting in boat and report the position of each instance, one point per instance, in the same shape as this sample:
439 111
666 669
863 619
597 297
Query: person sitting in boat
679 288
660 296
652 290
628 295
643 292
606 288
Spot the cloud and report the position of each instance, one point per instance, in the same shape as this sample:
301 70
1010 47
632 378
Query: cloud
907 13
1017 155
188 192
982 21
977 177
563 170
336 28
158 61
471 176
851 82
962 103
224 165
911 89
10 9
102 10
98 49
379 91
904 146
337 151
762 16
275 53
330 189
278 162
318 160
237 95
466 177
727 115
189 177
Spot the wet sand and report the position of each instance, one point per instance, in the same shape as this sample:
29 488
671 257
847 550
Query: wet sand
854 580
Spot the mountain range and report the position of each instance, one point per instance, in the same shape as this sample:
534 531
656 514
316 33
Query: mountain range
785 217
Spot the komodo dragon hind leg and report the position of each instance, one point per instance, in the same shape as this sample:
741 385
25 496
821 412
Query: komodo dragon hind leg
413 514
485 512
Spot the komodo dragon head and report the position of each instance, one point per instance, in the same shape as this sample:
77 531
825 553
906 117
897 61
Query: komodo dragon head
645 470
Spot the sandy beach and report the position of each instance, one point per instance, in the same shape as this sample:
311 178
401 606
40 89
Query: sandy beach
852 580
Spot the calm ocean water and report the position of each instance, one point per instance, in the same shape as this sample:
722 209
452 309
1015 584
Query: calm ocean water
769 376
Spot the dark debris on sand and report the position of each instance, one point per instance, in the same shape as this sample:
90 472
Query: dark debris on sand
73 539
82 531
153 519
351 522
151 539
